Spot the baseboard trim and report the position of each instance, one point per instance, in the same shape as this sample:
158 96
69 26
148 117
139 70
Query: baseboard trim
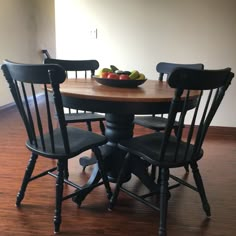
7 107
12 105
224 131
212 130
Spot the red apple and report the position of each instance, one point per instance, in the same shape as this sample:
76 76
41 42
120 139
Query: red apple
104 74
124 77
113 76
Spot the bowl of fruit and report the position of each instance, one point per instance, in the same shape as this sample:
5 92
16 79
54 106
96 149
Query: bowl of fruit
114 77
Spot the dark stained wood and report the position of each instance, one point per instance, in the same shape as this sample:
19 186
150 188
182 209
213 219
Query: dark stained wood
129 217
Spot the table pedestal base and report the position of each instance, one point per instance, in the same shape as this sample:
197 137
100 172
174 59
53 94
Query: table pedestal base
118 127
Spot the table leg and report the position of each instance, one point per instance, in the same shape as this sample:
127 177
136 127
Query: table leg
87 161
118 127
88 187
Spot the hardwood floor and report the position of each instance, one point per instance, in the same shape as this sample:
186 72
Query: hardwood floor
129 217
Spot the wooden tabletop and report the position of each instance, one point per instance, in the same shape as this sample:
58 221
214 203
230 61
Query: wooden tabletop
150 93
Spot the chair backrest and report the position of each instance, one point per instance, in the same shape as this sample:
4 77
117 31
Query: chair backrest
213 83
76 66
24 80
165 68
45 53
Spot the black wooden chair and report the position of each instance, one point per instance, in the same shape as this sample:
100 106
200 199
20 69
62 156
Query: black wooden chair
79 69
159 122
165 150
75 116
59 143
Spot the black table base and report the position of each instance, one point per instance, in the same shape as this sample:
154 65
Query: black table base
118 127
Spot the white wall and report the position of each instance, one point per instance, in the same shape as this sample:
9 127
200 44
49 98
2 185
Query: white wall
136 34
132 34
45 21
26 26
17 42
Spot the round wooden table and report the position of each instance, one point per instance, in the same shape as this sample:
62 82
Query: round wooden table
150 97
119 105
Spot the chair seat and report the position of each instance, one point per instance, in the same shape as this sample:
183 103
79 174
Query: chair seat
155 123
83 117
80 140
148 148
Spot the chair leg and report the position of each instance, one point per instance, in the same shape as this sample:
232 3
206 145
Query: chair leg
153 172
87 161
26 179
200 187
102 171
119 182
164 177
89 126
59 194
102 127
159 176
186 167
66 170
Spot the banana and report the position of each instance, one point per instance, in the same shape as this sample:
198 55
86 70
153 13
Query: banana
126 72
141 76
119 72
134 74
113 68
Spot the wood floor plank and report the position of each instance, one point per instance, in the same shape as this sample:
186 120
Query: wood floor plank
129 217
